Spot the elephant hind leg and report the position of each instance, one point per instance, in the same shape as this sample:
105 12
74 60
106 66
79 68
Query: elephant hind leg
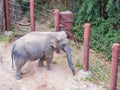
19 63
40 62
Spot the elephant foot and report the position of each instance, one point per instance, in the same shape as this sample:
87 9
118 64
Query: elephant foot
40 64
48 68
18 77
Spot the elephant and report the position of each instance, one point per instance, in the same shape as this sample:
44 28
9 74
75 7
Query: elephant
39 45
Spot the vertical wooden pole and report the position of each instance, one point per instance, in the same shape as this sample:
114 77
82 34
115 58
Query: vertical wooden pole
7 15
32 16
57 20
86 46
57 24
114 66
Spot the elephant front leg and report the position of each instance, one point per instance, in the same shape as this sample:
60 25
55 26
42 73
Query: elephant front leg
18 73
19 63
48 67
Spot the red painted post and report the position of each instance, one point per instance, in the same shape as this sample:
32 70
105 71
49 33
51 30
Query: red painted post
32 16
66 21
7 17
114 66
57 20
86 46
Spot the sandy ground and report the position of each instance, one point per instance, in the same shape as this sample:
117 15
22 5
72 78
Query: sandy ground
36 78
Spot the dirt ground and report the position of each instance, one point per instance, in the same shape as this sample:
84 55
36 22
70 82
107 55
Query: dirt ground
35 78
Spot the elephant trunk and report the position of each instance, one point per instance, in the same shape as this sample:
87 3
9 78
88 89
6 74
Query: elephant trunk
68 53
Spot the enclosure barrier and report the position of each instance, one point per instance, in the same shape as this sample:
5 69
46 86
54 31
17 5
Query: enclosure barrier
66 21
86 72
32 15
7 17
114 66
63 22
56 20
86 46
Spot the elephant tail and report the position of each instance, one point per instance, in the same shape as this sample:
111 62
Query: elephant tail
12 60
12 55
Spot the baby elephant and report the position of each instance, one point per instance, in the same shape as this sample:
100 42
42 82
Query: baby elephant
39 45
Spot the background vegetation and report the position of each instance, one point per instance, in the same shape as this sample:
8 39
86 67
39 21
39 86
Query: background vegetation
103 15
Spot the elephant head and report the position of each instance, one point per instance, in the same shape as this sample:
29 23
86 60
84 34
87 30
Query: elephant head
61 43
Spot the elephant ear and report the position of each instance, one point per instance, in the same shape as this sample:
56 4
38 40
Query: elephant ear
53 43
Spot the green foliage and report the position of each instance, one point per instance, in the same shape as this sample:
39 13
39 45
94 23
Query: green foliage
78 31
24 4
40 8
2 38
51 24
79 65
85 11
5 38
27 14
103 15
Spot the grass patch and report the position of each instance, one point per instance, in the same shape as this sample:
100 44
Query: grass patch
5 38
101 73
78 65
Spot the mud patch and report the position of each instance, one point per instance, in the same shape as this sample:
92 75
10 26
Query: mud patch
44 87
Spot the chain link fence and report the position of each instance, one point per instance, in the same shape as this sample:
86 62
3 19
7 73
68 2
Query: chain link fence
102 67
20 16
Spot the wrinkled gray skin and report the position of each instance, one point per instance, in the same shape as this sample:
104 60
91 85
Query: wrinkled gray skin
39 45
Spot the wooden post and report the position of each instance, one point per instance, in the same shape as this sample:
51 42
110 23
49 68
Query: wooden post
57 20
7 15
32 16
114 66
86 46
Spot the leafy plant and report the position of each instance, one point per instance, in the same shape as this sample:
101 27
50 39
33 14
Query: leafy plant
103 15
